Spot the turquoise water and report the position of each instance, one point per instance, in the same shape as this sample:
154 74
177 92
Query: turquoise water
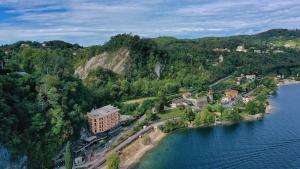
273 142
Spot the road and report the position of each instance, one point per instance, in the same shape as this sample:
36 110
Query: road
219 81
102 158
101 155
125 130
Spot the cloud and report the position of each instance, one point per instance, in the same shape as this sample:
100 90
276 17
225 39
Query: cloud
90 22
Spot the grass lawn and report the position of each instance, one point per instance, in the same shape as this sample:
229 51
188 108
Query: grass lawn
139 101
170 114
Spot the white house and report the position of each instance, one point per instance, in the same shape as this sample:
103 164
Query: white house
241 48
248 99
250 77
225 99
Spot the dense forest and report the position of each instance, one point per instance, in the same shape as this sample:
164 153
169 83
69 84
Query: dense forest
43 103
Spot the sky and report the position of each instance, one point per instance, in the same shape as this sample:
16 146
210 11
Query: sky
92 22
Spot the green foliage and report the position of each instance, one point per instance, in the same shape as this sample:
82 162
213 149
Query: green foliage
159 106
172 125
215 108
189 115
171 114
230 115
269 83
50 103
49 106
68 156
204 118
113 161
150 115
255 107
128 108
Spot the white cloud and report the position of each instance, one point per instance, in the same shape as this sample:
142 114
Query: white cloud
92 21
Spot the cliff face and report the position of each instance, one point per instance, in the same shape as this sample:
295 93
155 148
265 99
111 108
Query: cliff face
115 61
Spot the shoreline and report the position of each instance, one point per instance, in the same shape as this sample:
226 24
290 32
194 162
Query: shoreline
131 155
286 82
133 160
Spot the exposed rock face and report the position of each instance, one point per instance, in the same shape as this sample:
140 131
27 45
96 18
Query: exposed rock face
158 69
115 62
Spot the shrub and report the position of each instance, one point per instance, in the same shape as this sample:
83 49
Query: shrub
113 161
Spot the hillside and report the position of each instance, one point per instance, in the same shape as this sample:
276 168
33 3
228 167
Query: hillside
42 92
115 61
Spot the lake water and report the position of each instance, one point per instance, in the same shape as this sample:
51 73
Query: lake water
273 142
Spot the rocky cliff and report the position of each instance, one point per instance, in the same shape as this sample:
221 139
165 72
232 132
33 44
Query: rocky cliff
115 61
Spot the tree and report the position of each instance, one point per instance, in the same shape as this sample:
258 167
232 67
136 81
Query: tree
255 107
204 118
188 115
68 156
230 115
150 115
161 103
113 161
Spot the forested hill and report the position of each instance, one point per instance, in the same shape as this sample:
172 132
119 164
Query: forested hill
43 99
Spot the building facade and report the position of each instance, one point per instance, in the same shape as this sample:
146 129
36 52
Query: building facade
103 119
241 48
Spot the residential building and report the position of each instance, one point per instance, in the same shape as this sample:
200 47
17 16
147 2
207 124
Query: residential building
23 45
225 100
239 79
241 48
250 77
248 99
221 50
103 119
231 93
257 51
181 102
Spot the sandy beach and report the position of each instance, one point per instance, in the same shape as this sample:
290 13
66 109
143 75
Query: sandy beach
131 155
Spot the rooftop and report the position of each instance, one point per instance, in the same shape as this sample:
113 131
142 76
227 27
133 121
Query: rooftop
181 100
89 139
104 111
